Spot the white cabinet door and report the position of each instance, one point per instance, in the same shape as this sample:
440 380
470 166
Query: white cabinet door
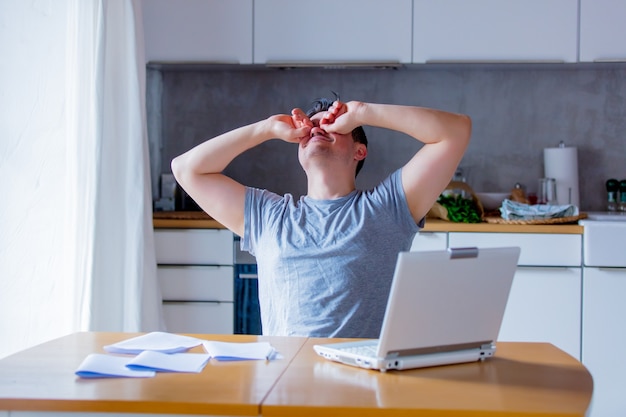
194 246
196 283
545 306
330 31
495 30
198 31
602 30
199 317
424 241
604 338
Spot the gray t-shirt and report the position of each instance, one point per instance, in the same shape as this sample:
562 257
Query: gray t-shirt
325 266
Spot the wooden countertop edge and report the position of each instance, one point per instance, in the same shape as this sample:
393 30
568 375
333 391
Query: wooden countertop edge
121 406
432 225
186 224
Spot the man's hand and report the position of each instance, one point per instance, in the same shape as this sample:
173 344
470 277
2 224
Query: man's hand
341 117
292 128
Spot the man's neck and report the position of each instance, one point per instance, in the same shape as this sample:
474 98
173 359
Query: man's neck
324 185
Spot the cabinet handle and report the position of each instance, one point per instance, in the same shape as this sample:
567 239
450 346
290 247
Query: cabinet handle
248 276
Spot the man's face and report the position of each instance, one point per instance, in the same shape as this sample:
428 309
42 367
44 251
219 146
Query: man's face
325 146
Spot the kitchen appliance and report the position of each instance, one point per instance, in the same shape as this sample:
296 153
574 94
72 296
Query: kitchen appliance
167 192
247 310
184 202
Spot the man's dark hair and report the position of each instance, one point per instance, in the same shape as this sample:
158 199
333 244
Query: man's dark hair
358 134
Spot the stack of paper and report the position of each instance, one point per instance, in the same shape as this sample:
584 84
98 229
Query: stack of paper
155 341
163 352
224 351
144 365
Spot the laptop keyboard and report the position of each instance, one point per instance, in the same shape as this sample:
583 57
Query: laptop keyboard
362 350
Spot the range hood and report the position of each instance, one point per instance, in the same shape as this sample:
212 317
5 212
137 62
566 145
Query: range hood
334 64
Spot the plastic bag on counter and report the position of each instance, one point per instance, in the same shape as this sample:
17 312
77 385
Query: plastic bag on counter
458 203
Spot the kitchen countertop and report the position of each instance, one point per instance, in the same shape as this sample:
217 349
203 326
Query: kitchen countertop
201 220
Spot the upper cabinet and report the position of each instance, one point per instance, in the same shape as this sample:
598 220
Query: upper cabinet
198 31
495 30
377 31
332 31
602 30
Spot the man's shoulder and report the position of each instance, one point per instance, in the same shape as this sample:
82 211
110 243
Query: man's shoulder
264 195
391 184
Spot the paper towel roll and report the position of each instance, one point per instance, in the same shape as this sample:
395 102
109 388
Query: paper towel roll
562 164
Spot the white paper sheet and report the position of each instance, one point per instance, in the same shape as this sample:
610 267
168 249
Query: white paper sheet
225 351
154 341
169 362
98 365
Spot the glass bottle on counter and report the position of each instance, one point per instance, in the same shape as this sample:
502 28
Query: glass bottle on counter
622 195
612 187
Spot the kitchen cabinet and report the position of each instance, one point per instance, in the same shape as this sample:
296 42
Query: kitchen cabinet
545 300
602 30
544 306
198 31
494 30
425 241
550 249
196 275
331 31
604 314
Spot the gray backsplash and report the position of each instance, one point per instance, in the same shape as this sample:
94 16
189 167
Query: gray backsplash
517 111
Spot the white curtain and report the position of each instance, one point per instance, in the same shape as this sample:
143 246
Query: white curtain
109 214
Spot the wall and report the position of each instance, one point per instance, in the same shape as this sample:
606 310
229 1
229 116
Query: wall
517 111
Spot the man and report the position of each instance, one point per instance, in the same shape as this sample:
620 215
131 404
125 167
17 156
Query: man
326 261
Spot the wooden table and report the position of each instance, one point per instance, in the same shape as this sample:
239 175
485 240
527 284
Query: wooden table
42 379
522 379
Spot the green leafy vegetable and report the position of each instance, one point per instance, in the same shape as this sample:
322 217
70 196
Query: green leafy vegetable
460 210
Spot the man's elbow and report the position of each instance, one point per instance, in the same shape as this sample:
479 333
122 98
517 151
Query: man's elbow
465 128
178 169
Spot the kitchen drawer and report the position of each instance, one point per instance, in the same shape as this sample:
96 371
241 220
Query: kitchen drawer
538 249
430 241
194 246
199 317
196 283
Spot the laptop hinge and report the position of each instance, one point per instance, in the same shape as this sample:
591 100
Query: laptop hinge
461 253
483 344
487 346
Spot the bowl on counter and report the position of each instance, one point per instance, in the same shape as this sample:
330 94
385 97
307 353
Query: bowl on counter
492 201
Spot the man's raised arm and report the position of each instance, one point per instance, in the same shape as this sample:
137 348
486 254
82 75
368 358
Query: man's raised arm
445 136
199 171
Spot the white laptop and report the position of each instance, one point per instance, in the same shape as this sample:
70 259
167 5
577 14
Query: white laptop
444 307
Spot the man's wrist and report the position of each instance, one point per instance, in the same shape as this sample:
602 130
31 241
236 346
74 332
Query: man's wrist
263 131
